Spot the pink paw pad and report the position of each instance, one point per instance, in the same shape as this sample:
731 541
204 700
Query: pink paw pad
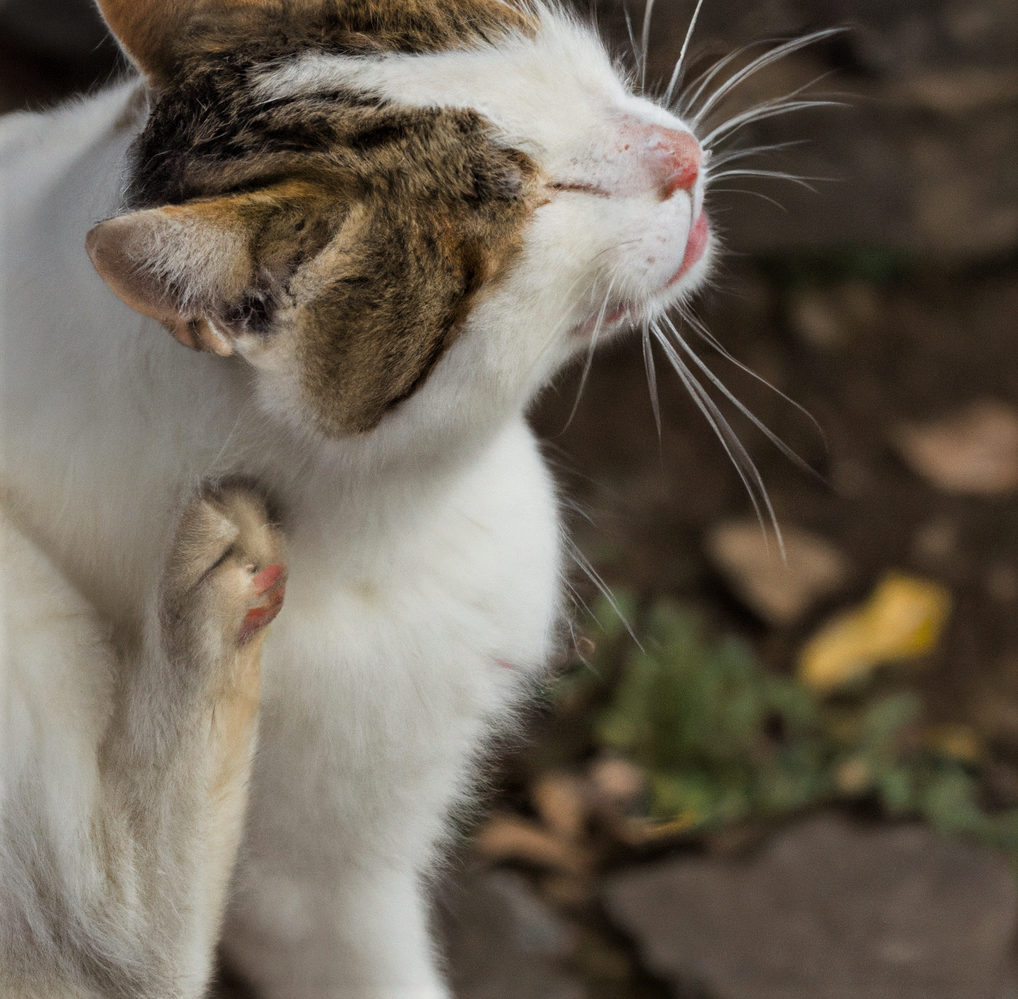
271 581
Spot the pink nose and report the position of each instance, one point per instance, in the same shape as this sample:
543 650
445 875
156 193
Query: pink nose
676 157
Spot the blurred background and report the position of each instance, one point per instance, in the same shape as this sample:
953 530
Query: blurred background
761 776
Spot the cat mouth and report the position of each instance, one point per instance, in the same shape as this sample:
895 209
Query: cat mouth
610 319
696 246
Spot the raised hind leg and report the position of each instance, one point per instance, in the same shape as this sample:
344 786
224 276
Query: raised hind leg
128 901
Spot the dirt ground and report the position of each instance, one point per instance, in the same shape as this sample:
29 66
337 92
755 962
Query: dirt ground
884 302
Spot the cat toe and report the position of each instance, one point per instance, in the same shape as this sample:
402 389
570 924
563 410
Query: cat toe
228 562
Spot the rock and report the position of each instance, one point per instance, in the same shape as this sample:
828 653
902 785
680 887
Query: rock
974 451
501 941
778 591
828 910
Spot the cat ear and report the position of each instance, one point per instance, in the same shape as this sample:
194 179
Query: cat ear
145 29
165 263
207 270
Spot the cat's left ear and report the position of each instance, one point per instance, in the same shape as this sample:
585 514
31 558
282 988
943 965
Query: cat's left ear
210 270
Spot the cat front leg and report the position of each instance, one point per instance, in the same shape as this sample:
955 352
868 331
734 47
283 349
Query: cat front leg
366 937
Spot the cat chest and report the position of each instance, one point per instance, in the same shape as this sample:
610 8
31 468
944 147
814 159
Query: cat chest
447 612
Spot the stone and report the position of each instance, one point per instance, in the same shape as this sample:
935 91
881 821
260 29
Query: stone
502 941
828 909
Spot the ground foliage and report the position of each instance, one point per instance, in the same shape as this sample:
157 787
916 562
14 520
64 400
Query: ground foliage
723 740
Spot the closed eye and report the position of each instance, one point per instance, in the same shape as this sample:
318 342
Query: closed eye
563 185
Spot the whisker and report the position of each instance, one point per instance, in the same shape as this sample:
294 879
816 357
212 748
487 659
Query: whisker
756 194
737 453
648 363
590 354
557 328
705 334
686 102
682 53
740 154
768 110
584 564
632 36
773 174
645 41
760 62
752 417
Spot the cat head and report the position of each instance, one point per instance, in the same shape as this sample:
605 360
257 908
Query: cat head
374 200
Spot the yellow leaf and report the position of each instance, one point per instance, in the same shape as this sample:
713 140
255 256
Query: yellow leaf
903 618
956 741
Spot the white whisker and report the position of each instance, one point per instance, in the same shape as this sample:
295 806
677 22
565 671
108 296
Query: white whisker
590 353
648 363
755 420
768 110
645 41
773 174
755 194
705 334
682 53
743 463
731 155
584 563
760 62
687 102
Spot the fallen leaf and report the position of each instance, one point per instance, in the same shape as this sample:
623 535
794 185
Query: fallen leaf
779 591
642 832
853 776
560 801
617 782
508 837
903 618
974 451
956 741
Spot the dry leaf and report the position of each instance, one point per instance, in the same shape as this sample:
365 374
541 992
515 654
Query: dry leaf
972 452
903 618
779 591
508 837
959 742
560 801
642 832
617 782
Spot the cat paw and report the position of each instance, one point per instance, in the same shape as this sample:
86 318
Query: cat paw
227 571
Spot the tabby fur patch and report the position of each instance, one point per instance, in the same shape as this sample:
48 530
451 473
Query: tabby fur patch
395 216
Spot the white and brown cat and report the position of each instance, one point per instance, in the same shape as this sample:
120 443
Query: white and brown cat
383 225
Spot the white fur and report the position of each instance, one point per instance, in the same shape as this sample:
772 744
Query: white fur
423 556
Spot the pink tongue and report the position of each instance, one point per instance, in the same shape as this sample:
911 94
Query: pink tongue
696 245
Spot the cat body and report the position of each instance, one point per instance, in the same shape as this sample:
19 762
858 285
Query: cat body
382 413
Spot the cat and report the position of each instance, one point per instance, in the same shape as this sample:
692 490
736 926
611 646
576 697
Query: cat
382 226
123 777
